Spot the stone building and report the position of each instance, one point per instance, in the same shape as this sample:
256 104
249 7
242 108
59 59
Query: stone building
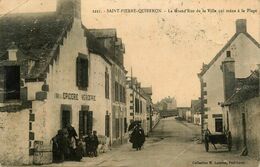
245 51
241 109
53 72
115 51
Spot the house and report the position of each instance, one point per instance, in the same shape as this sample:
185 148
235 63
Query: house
53 72
241 109
245 51
115 51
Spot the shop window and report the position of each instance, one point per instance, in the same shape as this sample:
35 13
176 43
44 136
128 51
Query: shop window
83 123
219 125
106 84
89 121
12 82
82 77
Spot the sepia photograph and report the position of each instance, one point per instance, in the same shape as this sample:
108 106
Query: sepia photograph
129 83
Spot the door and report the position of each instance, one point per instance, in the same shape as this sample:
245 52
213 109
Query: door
218 124
66 118
244 128
107 123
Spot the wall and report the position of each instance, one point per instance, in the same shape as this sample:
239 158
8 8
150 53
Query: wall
245 53
252 117
14 139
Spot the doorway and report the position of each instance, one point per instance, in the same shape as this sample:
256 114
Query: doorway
244 128
66 118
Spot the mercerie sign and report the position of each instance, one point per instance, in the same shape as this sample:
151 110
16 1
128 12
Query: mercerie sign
75 96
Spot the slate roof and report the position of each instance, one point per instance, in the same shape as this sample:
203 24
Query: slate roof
207 66
247 88
36 35
148 90
104 33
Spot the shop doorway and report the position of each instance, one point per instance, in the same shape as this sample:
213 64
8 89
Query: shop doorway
66 118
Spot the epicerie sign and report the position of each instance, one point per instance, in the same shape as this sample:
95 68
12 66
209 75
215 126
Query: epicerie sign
75 96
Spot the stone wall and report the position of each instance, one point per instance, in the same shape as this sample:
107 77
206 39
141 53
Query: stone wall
14 138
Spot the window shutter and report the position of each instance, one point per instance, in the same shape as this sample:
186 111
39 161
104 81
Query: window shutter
78 72
81 124
87 76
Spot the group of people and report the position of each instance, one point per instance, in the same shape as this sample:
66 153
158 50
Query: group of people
137 137
92 143
68 147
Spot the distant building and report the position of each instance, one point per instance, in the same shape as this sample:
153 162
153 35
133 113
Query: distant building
196 111
137 103
183 112
244 49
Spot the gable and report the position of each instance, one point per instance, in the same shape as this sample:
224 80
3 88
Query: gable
220 53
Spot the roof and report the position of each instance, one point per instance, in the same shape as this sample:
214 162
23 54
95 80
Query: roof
147 90
95 46
206 67
104 33
37 35
247 88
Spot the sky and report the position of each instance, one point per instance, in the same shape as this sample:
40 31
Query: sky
165 50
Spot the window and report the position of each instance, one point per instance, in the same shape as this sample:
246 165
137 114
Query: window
136 105
82 72
12 82
141 106
116 91
106 84
218 124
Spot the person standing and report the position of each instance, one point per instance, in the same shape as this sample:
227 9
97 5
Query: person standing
137 137
95 143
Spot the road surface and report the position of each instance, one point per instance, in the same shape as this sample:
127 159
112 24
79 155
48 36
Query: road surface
172 144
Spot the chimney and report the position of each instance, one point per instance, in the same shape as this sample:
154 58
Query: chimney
12 52
228 69
241 25
69 8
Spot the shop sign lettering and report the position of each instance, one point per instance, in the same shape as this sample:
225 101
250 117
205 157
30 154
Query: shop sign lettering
75 96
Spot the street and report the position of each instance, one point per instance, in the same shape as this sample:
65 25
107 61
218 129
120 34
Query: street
172 144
